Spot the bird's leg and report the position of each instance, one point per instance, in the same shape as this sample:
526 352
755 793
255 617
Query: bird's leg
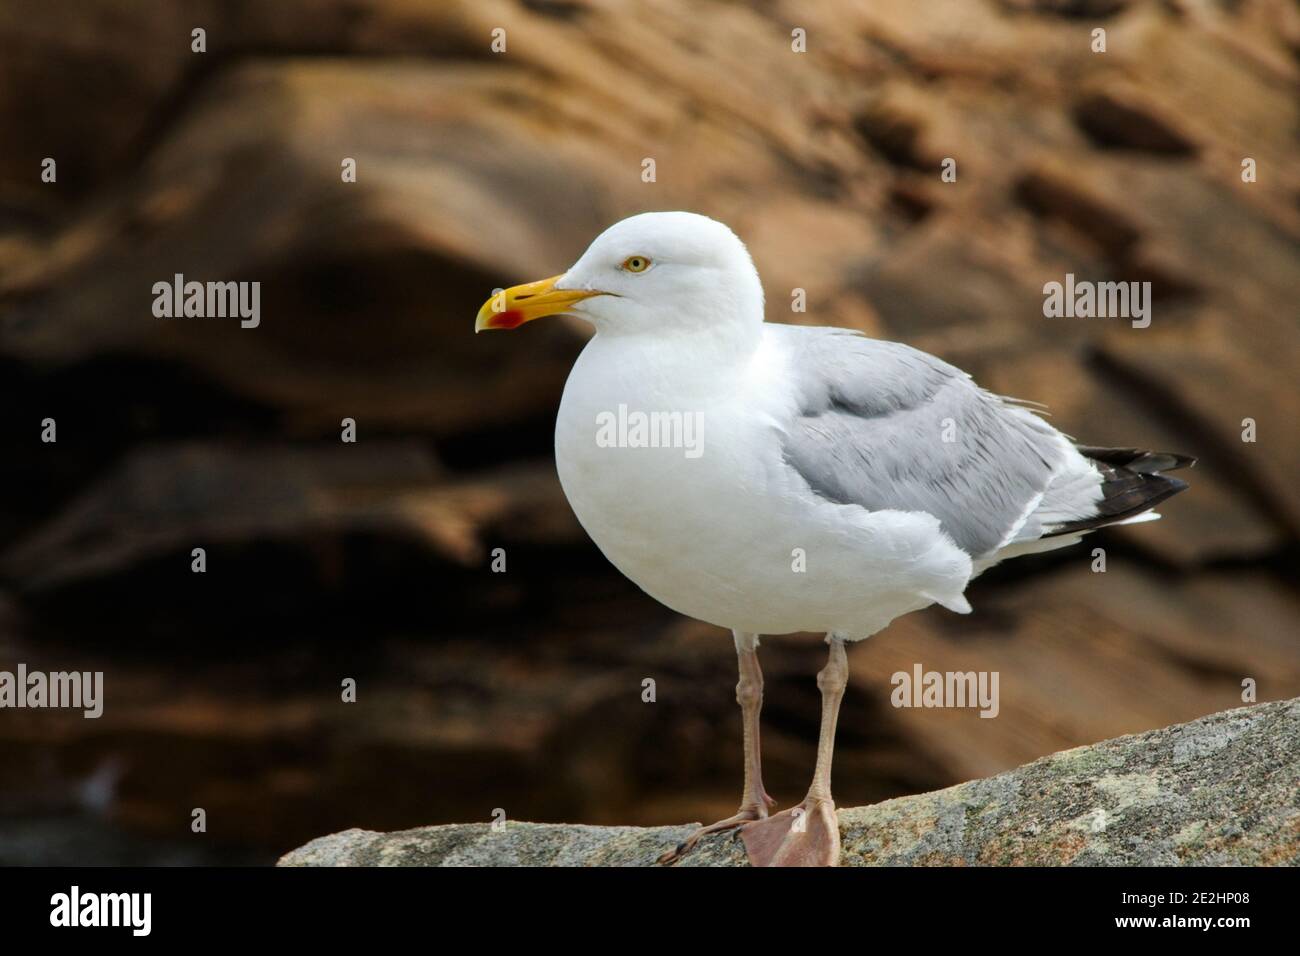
749 695
808 834
754 801
831 681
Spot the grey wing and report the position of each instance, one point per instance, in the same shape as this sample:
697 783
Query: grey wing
886 426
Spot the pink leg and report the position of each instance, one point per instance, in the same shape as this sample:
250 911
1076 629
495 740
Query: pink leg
754 801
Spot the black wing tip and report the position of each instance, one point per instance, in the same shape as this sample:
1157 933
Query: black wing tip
1139 460
1132 484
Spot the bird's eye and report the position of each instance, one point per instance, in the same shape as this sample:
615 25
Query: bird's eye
636 264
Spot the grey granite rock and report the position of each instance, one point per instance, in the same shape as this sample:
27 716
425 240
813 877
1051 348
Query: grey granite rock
1221 790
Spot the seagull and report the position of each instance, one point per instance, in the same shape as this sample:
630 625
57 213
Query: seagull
771 479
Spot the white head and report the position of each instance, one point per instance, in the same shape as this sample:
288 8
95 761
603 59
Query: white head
655 272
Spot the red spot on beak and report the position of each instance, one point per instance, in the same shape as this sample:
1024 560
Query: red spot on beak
509 319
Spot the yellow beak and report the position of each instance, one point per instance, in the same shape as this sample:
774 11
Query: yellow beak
512 307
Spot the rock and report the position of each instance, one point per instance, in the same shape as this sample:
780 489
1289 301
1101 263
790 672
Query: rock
1217 791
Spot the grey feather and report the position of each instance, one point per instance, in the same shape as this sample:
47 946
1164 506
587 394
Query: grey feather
870 431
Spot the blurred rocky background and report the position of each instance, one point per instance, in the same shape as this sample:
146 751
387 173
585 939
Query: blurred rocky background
522 691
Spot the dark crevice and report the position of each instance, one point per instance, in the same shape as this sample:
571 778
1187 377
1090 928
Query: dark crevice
895 137
910 201
1068 9
1114 123
565 10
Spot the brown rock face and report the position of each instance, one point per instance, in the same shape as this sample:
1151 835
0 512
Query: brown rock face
1168 158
